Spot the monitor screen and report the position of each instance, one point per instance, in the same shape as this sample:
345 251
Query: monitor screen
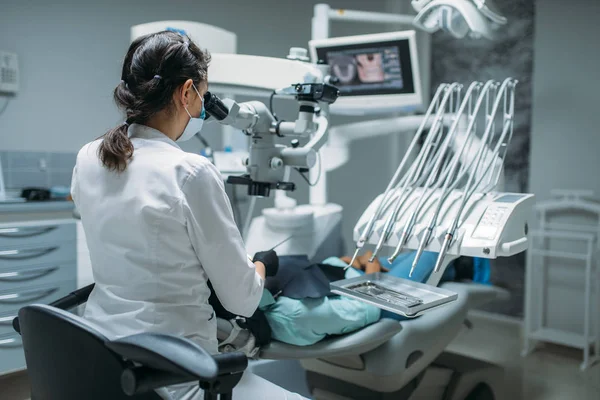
375 68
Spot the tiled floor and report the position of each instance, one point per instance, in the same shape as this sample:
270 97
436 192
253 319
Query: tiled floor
551 373
14 387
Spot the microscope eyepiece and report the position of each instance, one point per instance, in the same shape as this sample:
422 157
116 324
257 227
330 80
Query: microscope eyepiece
215 107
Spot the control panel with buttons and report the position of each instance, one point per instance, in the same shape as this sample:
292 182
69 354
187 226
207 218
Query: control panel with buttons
490 222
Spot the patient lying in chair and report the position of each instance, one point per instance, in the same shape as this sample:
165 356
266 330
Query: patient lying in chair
305 312
306 321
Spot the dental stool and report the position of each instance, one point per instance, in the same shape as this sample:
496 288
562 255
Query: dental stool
69 359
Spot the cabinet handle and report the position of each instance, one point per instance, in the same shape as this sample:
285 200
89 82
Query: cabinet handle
25 254
25 232
26 296
7 319
17 276
11 342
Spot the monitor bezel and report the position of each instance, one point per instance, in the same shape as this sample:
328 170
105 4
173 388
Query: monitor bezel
395 102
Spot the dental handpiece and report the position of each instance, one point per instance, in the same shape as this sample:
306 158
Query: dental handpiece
367 231
445 194
412 182
410 226
389 224
448 188
386 200
508 117
432 168
448 171
433 222
452 231
407 192
388 204
428 191
387 228
507 127
468 191
491 155
484 94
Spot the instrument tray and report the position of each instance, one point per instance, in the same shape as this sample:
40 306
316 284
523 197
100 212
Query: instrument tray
400 296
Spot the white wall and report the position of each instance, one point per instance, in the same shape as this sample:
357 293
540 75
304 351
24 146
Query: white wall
565 137
70 54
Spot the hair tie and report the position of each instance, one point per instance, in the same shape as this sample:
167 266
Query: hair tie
157 77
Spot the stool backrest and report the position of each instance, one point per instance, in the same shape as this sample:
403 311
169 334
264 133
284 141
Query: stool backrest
67 358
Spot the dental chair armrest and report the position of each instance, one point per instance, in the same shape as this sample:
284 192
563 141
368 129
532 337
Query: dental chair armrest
71 300
358 342
478 294
168 360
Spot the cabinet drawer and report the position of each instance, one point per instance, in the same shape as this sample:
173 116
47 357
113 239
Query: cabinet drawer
17 255
6 319
24 233
37 274
13 299
12 356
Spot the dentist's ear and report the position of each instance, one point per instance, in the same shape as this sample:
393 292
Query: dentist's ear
185 94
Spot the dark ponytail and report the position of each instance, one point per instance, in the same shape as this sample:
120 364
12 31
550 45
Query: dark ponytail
116 148
154 67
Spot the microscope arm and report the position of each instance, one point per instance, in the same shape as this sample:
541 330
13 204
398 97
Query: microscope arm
320 136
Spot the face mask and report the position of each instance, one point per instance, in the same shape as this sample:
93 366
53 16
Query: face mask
194 125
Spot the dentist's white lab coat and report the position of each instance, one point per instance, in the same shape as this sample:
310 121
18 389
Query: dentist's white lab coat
156 233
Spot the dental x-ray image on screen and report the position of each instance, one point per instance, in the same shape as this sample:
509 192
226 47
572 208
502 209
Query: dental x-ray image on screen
376 73
366 69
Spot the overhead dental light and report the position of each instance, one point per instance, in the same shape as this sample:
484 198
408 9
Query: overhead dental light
460 18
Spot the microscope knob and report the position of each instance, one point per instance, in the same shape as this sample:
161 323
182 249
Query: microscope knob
295 143
298 53
276 163
332 80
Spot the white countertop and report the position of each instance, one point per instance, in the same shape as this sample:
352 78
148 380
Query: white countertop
36 206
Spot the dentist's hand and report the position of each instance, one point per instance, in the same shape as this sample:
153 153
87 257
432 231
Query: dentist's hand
270 260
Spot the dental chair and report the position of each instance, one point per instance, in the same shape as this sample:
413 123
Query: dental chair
412 364
69 359
397 360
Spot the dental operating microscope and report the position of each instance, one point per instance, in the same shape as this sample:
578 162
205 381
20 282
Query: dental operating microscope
269 163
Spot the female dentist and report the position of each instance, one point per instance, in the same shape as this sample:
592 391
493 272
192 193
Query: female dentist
158 222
